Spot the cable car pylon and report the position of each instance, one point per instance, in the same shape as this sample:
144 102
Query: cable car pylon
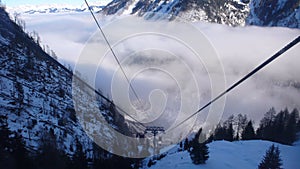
154 130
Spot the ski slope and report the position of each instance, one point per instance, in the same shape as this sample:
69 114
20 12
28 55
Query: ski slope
233 155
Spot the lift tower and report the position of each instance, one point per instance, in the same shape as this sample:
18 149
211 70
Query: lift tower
154 130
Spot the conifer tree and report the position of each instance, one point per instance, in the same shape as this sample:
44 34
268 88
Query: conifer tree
180 146
49 156
5 144
298 125
220 132
79 158
291 127
229 133
186 144
265 130
199 151
20 153
4 134
279 127
248 133
271 159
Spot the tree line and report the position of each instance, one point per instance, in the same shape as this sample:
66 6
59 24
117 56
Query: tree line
15 154
280 127
16 18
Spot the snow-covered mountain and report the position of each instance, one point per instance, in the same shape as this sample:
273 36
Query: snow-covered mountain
284 13
225 12
231 12
44 9
36 96
57 8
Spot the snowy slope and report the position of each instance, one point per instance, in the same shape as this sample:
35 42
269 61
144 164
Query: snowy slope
36 95
285 13
232 155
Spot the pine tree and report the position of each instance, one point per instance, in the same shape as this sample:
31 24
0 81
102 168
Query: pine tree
229 133
13 152
180 146
5 145
49 156
4 134
220 132
20 153
150 163
186 144
199 151
298 126
279 126
248 133
225 131
79 158
271 159
291 127
265 130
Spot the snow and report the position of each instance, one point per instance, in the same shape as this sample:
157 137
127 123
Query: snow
4 41
41 107
284 17
58 31
253 18
57 8
194 15
130 7
233 155
280 4
166 10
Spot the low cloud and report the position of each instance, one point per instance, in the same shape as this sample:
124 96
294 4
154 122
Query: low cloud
177 74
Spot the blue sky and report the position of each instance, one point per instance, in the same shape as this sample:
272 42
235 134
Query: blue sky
13 3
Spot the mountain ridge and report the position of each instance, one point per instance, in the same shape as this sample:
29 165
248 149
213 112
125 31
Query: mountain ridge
52 9
283 13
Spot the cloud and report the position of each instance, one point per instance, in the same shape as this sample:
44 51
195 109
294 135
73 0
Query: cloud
172 75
